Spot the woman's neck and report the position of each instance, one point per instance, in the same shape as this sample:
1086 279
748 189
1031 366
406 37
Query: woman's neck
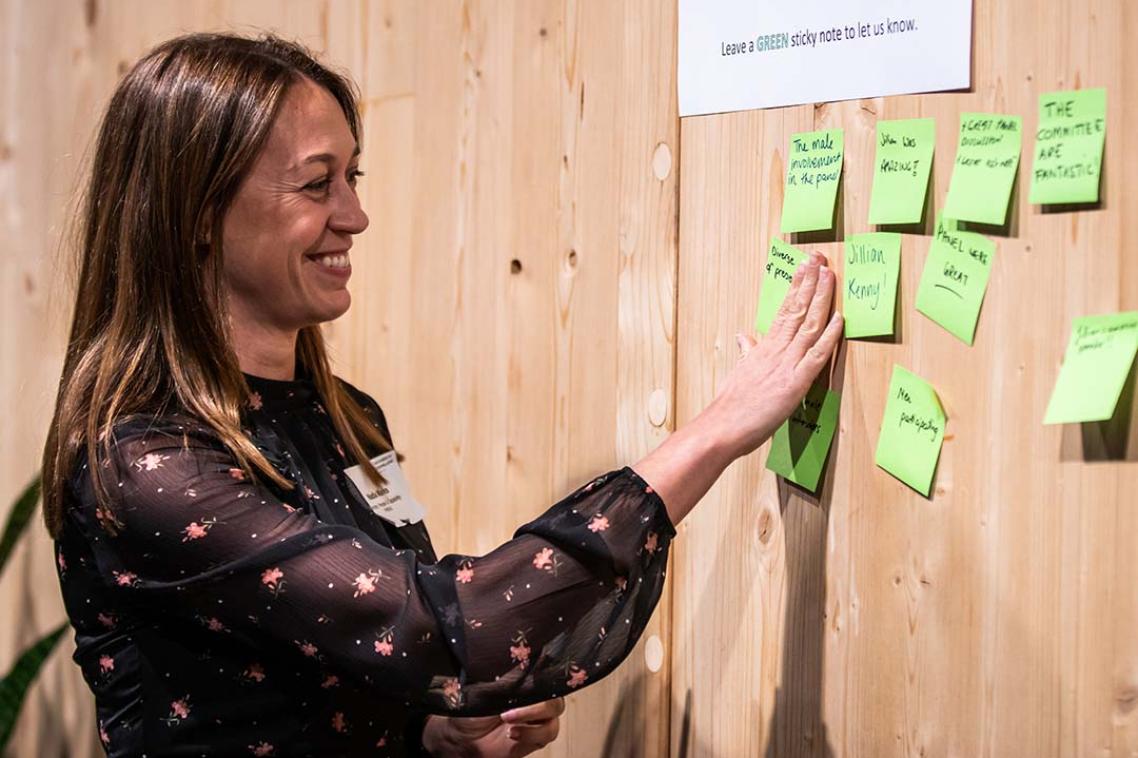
264 351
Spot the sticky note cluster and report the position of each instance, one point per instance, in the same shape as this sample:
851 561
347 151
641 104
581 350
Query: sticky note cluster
782 260
799 448
872 266
912 431
814 169
955 279
987 156
1098 360
1068 147
904 156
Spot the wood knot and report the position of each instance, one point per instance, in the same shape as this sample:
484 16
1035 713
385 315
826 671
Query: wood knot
515 266
766 527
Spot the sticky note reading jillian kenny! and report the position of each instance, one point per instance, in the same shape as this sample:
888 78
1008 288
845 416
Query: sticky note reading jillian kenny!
782 260
987 156
901 170
800 446
815 167
873 263
911 431
955 278
1095 368
1068 147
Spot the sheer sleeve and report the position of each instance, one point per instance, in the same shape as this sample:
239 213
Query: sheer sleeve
555 608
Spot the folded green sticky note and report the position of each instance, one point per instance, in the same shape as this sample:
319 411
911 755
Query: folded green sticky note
911 431
901 170
782 260
873 263
1095 368
955 278
987 156
1068 147
815 166
800 446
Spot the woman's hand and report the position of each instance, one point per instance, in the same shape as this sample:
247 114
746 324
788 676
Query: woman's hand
511 735
766 385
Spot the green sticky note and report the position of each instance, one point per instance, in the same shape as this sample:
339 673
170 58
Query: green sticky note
987 156
1068 147
1095 368
873 263
901 170
911 431
782 260
815 166
955 278
800 446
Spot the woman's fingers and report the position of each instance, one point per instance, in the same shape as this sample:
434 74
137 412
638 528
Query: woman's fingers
793 309
745 343
817 314
819 353
536 735
547 709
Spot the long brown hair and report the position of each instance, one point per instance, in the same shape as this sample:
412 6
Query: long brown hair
150 333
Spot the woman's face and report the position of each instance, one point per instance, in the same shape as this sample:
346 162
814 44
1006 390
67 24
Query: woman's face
286 235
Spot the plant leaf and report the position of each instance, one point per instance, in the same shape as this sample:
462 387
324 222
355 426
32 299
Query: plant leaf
18 520
14 686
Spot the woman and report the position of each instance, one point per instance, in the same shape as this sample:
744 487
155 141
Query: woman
232 591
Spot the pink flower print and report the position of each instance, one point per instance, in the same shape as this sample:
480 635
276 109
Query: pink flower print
237 474
330 681
255 401
150 462
520 650
340 450
309 494
261 749
598 524
103 736
465 572
126 578
255 673
106 664
452 691
307 648
195 531
179 711
61 562
621 583
650 544
649 489
107 519
543 559
288 508
382 741
273 578
385 642
107 620
339 723
214 625
577 676
365 583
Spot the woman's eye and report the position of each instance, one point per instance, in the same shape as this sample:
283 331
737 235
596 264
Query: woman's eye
319 185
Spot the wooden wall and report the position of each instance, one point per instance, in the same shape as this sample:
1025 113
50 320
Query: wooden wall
550 283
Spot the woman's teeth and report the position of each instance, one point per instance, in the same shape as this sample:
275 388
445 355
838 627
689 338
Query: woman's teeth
338 260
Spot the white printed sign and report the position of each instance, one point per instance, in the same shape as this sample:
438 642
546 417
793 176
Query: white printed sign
742 54
391 501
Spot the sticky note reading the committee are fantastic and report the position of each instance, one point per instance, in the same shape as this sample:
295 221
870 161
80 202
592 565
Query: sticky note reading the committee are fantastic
814 167
987 156
873 263
911 431
1098 360
901 170
955 278
799 448
1068 147
782 260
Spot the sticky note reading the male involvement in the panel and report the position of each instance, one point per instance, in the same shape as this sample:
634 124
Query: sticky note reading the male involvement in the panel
955 278
873 263
901 170
799 448
987 156
1068 147
782 260
1095 368
814 169
911 431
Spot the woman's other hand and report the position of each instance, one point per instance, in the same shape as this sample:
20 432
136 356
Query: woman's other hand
513 734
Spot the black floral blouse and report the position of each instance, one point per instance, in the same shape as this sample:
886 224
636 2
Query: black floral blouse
215 615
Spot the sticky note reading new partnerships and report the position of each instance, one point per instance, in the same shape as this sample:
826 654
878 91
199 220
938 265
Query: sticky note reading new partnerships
911 431
955 278
987 156
1095 368
782 260
1068 147
800 446
815 166
873 263
901 170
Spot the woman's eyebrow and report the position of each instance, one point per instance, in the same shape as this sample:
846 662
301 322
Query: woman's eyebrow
324 158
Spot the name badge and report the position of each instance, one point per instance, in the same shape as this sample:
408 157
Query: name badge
392 501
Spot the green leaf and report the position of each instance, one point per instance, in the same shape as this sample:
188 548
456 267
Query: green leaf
14 686
18 520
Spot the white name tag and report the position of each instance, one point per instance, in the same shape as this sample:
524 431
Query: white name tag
392 501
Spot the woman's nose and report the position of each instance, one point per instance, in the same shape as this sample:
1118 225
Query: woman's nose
349 215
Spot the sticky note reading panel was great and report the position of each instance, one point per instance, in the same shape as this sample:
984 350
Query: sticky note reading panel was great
1068 147
873 262
782 260
955 279
987 156
814 169
1095 368
901 170
799 448
911 431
